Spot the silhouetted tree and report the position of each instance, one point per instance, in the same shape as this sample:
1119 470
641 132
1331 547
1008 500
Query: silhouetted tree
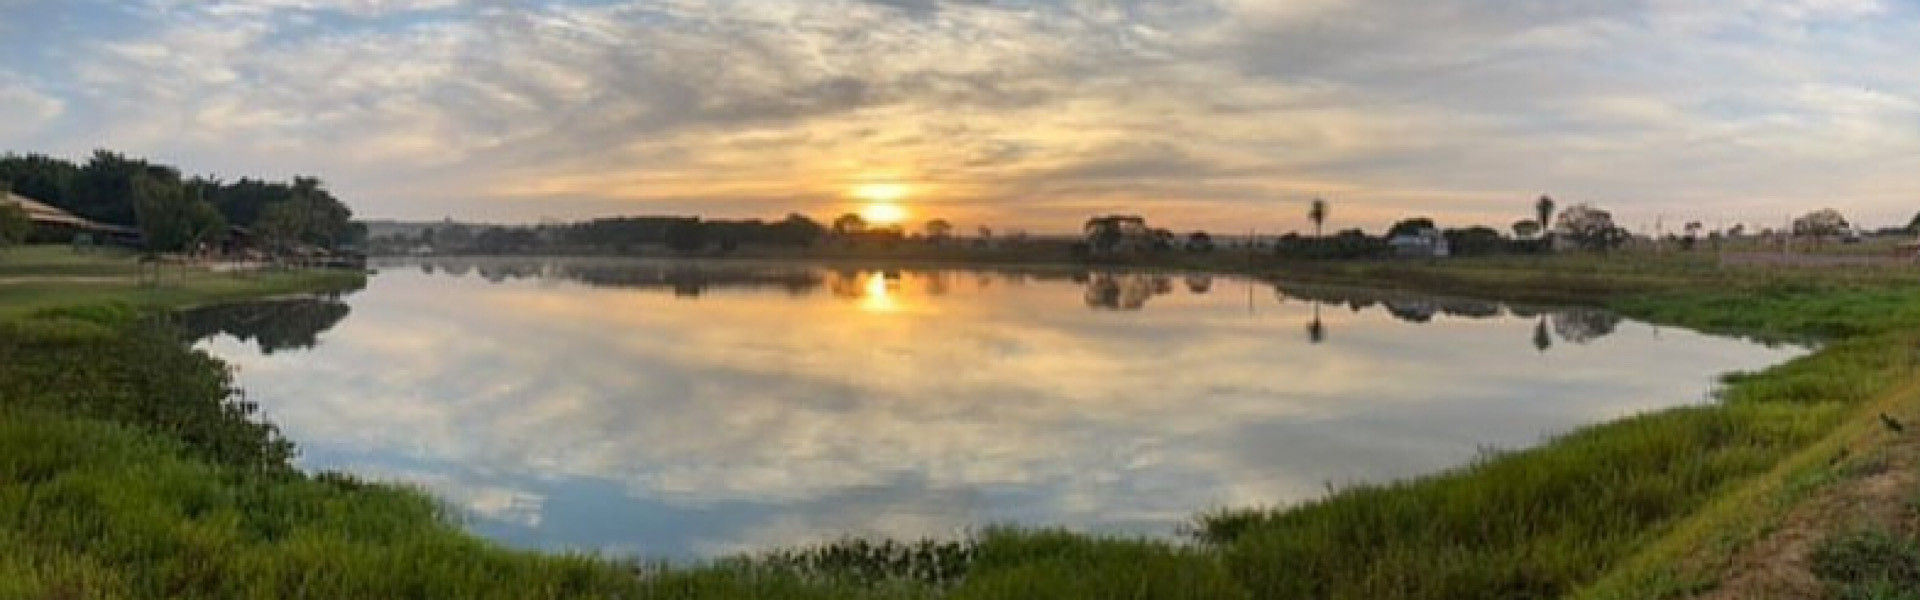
1199 241
1590 228
1825 222
939 230
1541 341
1317 213
1411 226
1162 240
849 223
1692 238
1104 234
686 236
1543 211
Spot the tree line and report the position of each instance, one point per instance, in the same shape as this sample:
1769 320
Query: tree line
181 214
617 235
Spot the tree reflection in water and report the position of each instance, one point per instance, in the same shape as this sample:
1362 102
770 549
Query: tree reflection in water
1125 291
274 326
1576 325
1102 290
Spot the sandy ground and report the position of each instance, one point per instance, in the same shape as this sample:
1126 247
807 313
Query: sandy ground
1779 565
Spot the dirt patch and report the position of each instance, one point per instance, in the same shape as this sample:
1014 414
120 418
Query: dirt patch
1874 492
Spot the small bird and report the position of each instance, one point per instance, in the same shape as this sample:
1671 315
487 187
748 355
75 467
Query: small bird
1892 424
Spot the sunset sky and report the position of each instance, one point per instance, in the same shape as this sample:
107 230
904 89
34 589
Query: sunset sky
1217 114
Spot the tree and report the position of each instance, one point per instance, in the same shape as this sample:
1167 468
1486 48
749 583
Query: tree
169 219
1543 213
15 225
1199 241
103 190
1478 240
1317 213
1590 228
1825 222
686 235
307 215
939 230
1411 226
849 223
1104 234
1526 228
1913 226
1692 238
40 177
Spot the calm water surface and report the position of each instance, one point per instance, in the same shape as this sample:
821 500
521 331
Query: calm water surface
686 410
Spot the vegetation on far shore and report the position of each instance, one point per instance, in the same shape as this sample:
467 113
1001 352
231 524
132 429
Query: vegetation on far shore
130 468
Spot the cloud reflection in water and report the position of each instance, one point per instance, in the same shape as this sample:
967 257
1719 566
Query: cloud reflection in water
683 410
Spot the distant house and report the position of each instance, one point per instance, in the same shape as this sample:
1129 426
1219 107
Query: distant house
52 224
1426 243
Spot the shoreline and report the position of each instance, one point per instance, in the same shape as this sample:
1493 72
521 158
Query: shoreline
1274 553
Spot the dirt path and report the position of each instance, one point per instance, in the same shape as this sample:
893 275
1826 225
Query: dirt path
1876 485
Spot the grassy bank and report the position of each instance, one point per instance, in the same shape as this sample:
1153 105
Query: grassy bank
37 279
129 468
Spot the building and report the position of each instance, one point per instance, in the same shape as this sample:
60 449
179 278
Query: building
1426 243
50 224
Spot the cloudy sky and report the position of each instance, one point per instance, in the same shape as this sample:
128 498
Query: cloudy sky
1224 114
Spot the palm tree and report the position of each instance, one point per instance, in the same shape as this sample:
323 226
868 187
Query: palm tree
1544 208
1318 214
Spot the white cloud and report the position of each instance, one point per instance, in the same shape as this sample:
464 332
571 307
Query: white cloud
1004 109
29 110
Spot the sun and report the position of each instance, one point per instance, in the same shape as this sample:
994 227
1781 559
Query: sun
883 214
882 202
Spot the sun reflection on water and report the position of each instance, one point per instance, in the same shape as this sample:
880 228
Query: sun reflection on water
879 296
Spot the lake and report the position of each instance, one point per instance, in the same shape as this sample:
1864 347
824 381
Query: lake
684 410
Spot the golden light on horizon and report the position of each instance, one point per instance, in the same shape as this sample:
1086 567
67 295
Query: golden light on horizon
881 193
882 202
884 214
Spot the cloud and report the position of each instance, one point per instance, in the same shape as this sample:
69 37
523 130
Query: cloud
29 110
1010 112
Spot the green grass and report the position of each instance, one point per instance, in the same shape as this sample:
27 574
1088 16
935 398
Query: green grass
56 278
1869 565
130 468
90 509
64 261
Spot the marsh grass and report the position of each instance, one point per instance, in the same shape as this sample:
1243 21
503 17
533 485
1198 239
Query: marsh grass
129 467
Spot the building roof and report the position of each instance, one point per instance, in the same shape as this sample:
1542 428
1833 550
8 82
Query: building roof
41 212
